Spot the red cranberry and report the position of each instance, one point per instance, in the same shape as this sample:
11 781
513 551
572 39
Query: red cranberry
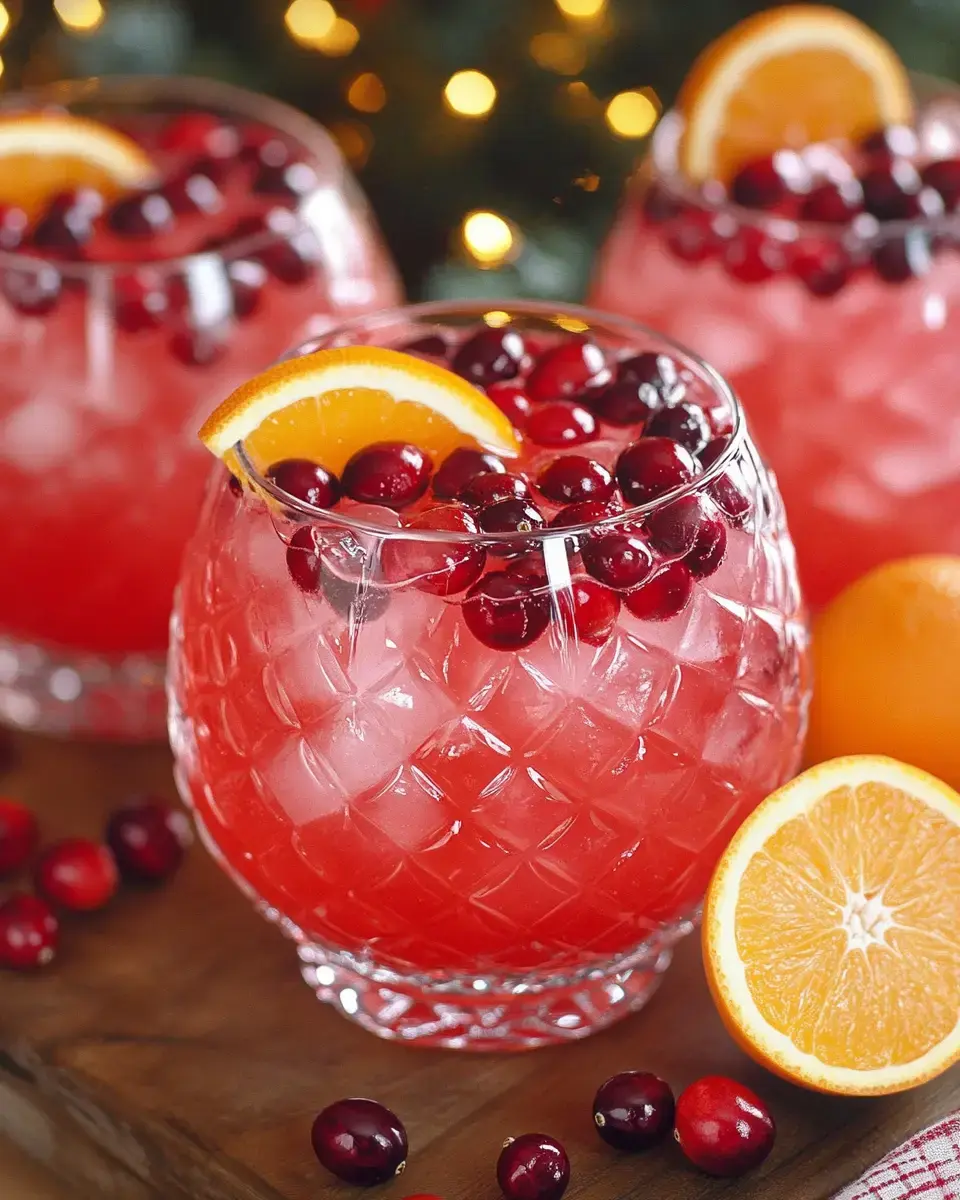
633 1110
19 835
709 546
461 467
440 568
683 423
512 401
290 181
306 480
262 147
893 141
620 558
752 256
511 516
148 839
625 403
490 356
77 873
566 370
199 133
34 291
891 190
235 486
726 493
291 251
674 527
533 1167
68 224
663 596
657 371
943 177
14 224
759 184
248 278
835 202
653 466
145 214
193 192
198 347
561 424
494 487
303 559
390 473
694 236
722 1127
432 345
822 265
595 611
574 478
140 301
29 932
587 512
360 1141
505 612
904 257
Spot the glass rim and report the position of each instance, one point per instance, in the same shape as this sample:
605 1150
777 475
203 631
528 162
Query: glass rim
145 90
736 441
865 230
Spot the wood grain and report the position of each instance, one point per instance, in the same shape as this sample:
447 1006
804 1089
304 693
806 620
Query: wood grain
172 1051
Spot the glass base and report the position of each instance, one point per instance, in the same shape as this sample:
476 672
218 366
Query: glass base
80 695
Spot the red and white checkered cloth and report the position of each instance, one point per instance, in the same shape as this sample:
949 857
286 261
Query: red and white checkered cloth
928 1167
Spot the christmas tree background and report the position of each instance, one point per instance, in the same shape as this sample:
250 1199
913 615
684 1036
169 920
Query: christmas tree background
542 133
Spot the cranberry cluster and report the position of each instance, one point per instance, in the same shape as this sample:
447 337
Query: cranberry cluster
225 185
721 1126
562 398
144 842
856 189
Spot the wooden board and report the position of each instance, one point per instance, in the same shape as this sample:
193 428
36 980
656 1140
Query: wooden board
173 1052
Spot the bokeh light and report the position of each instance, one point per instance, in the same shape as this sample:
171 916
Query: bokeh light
570 324
355 141
366 93
558 52
488 238
496 318
79 16
340 41
5 21
470 94
632 114
310 20
581 10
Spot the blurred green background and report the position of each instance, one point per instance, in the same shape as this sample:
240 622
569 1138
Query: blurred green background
543 137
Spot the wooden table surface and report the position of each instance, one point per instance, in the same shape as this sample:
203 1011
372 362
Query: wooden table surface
173 1053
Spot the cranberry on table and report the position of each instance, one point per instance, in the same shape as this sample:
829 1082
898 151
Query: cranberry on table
29 932
561 423
505 612
891 190
390 473
653 466
512 401
626 402
360 1141
595 610
663 596
683 423
564 371
306 481
437 567
492 487
723 1127
514 515
942 176
618 558
490 356
148 839
533 1166
142 215
77 873
575 478
633 1110
461 467
19 835
834 202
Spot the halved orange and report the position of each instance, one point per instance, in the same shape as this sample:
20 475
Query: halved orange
42 154
832 928
327 405
787 78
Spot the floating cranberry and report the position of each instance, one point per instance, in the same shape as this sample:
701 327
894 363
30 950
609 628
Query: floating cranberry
822 265
759 184
198 347
505 612
512 401
306 480
142 215
752 256
432 345
904 257
663 596
709 546
511 516
943 177
33 291
360 1141
588 512
149 839
285 246
490 356
290 181
140 301
683 423
633 1110
657 371
533 1167
29 932
625 403
68 223
262 147
834 202
595 611
248 278
461 467
693 237
193 192
390 473
14 224
728 495
561 424
723 1127
653 466
19 835
573 478
439 568
303 559
199 133
494 487
77 873
893 141
620 558
674 527
891 190
566 370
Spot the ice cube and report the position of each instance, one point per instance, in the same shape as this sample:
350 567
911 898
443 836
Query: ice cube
41 433
296 781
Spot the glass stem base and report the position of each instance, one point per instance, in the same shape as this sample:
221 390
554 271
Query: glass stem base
72 694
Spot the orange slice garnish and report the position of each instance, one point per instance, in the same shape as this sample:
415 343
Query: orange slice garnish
787 78
42 154
327 405
832 928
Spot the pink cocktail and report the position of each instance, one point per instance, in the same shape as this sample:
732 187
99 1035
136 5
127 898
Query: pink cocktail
482 778
841 339
117 323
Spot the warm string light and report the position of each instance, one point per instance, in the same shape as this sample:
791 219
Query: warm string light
340 41
309 20
366 93
470 94
355 140
488 238
79 16
581 10
496 318
570 324
5 22
633 114
559 52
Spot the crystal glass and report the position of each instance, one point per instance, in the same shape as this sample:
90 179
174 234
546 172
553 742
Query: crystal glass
106 370
471 846
842 341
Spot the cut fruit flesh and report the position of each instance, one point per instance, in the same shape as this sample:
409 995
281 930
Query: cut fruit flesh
787 78
832 928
